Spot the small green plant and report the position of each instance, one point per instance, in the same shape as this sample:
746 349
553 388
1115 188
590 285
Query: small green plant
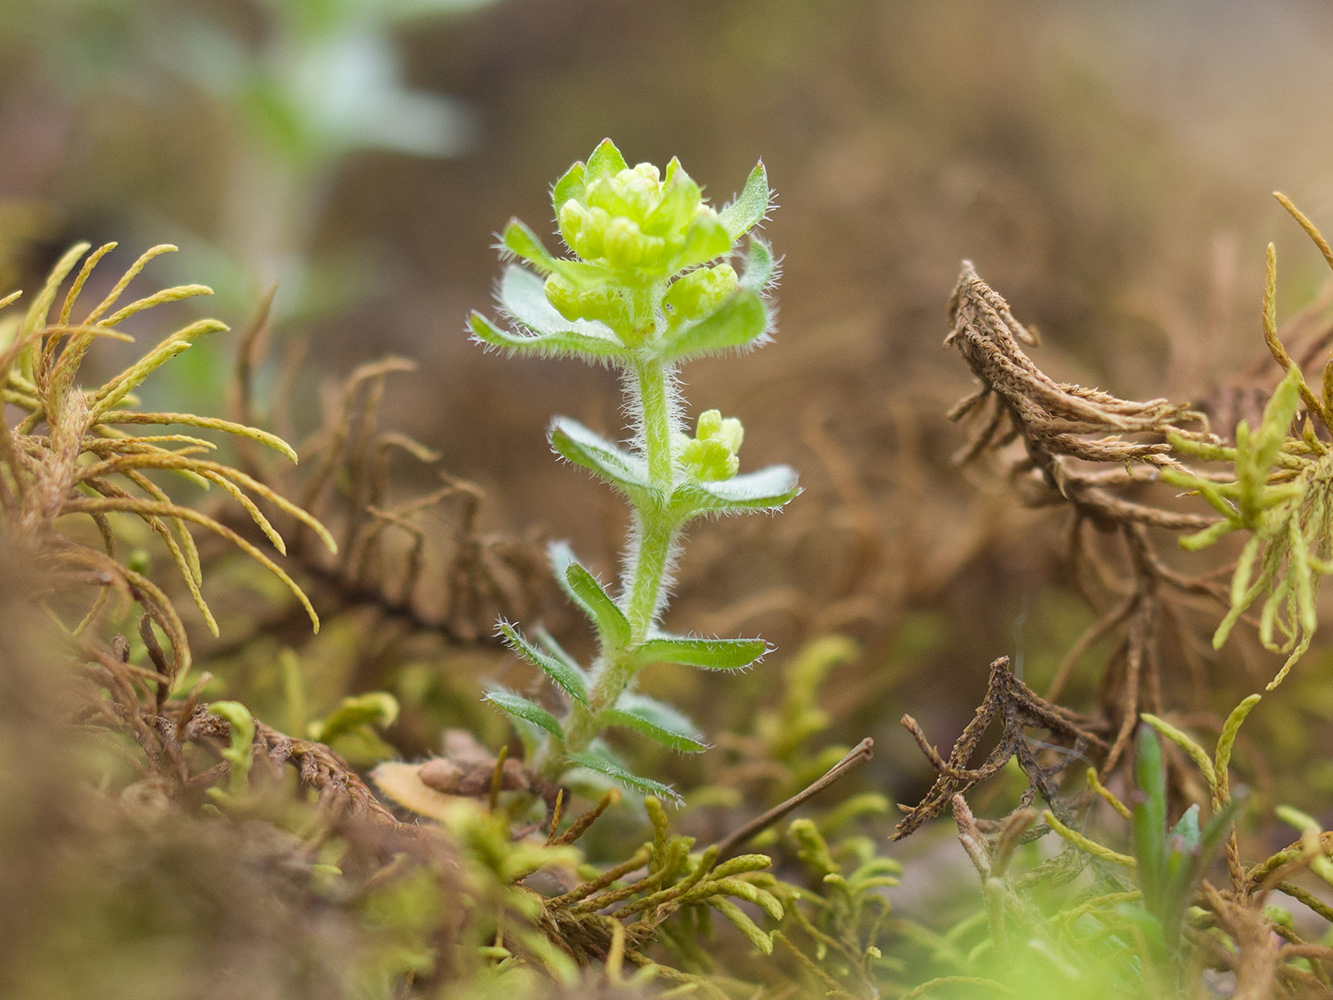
1170 862
650 287
1280 496
1097 922
845 916
239 755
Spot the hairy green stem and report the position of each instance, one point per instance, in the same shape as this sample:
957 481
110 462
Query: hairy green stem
656 535
650 381
653 550
655 531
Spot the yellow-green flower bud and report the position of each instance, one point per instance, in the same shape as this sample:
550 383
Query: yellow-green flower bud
624 244
680 202
606 194
578 226
596 302
711 455
700 292
641 188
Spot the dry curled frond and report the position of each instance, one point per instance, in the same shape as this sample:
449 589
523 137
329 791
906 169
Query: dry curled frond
1057 421
662 892
340 789
1017 709
70 453
1277 489
1094 453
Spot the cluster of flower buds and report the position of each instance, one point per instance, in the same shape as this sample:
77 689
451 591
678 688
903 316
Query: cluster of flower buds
632 228
712 454
645 271
699 293
632 218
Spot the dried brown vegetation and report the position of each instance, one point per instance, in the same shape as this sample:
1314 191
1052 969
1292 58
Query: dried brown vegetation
1089 451
1100 458
1017 709
442 575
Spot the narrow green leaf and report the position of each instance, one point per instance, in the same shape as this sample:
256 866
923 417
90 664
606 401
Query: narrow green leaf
708 654
570 185
1195 752
191 420
549 644
742 864
759 266
1215 829
133 271
1178 878
594 761
156 299
562 345
584 590
1227 741
657 721
1298 562
1188 855
1302 821
875 870
1276 423
518 239
562 674
750 206
741 322
605 161
1150 815
1208 536
574 442
123 384
657 816
40 309
1240 580
718 887
767 489
1232 616
528 711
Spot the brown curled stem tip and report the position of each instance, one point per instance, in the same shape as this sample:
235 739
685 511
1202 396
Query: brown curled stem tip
857 756
1018 709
